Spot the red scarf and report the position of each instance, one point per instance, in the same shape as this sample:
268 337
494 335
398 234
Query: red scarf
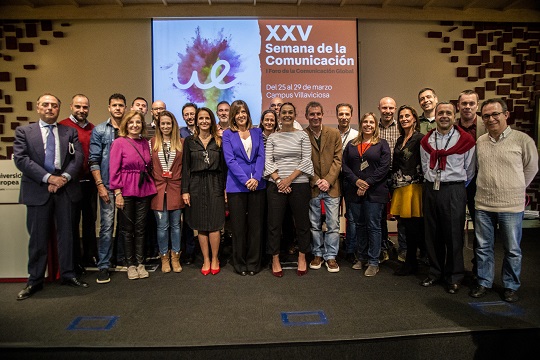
464 144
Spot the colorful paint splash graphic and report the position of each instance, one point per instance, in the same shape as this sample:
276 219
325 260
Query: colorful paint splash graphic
208 61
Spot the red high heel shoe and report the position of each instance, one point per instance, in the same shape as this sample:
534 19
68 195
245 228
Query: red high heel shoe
205 272
215 271
301 272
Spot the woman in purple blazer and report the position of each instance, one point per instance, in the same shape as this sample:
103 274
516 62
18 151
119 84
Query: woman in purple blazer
243 148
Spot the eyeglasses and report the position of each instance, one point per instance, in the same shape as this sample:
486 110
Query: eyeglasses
495 115
206 157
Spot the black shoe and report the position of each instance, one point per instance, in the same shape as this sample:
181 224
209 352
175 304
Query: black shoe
189 260
103 276
405 270
74 282
243 273
510 295
79 269
429 282
452 288
28 291
478 291
251 273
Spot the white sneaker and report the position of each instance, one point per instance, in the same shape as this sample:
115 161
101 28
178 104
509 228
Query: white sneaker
142 272
132 273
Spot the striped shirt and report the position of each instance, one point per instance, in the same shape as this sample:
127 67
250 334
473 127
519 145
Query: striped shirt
390 134
166 156
286 152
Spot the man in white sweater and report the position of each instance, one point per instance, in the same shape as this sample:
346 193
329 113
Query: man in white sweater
507 163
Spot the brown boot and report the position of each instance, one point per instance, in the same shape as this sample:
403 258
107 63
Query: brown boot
175 261
165 265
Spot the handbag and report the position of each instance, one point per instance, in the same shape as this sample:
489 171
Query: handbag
146 174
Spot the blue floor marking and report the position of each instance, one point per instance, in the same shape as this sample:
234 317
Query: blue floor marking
287 321
107 321
501 308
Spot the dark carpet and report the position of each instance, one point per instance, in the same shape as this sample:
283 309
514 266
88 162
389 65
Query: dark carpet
343 315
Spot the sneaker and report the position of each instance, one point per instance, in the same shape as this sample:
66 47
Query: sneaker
132 273
402 256
103 276
316 263
371 270
357 265
384 256
332 265
142 271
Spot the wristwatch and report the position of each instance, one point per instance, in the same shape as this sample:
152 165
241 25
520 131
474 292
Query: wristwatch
278 180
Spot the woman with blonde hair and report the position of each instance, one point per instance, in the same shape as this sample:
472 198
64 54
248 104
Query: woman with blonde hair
203 186
166 147
366 162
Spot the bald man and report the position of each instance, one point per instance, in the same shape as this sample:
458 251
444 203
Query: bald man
389 131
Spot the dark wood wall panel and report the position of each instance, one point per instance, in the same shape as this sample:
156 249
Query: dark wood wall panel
506 61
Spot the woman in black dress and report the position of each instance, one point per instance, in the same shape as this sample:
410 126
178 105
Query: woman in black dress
203 186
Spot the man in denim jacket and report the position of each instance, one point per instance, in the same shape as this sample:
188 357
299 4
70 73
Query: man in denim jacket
100 145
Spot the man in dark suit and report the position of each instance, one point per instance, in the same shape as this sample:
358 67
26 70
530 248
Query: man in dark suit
50 157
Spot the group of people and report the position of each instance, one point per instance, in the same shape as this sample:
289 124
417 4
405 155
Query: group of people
274 179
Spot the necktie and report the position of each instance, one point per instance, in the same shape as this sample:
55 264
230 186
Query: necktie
50 150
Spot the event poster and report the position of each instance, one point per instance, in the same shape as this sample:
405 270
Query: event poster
206 61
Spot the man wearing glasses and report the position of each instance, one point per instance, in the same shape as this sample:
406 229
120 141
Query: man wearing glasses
507 164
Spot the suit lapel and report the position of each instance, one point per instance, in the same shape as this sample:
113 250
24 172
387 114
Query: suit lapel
64 144
36 139
241 145
323 138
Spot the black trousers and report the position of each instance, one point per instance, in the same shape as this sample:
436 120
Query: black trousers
40 222
414 235
444 215
133 228
246 214
298 199
471 193
85 246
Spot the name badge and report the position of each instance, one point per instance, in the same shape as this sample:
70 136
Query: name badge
167 174
437 182
364 165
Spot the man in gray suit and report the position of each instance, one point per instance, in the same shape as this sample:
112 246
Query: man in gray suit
50 157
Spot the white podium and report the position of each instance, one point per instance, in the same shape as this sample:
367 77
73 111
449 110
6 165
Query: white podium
13 234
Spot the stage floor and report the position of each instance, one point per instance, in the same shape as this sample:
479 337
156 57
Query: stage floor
191 310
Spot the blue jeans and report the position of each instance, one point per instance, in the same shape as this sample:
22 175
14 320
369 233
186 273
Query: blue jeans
510 230
105 242
165 220
367 217
325 245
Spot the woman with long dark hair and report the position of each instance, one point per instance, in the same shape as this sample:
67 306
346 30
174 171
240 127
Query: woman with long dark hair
203 186
407 179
